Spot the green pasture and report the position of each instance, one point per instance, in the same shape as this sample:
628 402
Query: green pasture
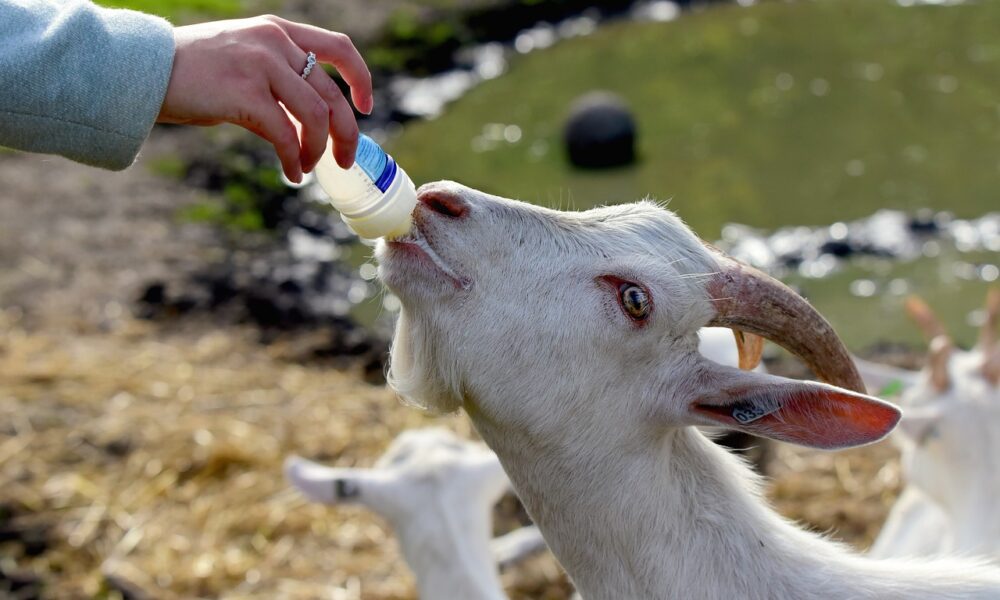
183 11
805 112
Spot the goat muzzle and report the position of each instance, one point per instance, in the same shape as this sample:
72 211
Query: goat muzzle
748 300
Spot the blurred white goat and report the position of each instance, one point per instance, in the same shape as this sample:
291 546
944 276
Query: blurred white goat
950 442
450 461
571 341
438 492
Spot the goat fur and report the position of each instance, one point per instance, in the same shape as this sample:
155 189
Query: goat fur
589 413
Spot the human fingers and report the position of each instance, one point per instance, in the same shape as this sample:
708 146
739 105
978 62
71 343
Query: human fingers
343 127
338 50
307 106
266 119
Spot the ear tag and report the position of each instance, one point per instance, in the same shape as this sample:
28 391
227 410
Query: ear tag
343 489
749 410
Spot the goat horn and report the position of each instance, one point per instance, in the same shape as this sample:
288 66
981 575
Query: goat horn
924 317
937 360
750 347
991 366
941 344
988 338
751 301
988 332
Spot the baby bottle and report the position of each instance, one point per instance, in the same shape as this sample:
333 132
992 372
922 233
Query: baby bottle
374 197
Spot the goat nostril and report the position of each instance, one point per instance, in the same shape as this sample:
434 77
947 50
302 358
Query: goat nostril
444 203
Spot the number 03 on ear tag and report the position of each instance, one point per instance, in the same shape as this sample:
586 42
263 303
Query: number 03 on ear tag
749 410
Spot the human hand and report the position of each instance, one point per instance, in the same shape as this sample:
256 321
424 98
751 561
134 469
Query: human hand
238 71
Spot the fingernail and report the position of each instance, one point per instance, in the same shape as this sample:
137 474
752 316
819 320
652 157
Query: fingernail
369 105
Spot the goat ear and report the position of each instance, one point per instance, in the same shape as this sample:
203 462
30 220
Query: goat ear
801 412
331 485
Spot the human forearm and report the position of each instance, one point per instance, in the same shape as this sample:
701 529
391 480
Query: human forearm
80 81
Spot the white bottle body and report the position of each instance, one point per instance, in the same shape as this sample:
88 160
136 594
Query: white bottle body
374 197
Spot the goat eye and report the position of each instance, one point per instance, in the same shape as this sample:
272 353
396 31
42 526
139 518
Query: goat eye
634 300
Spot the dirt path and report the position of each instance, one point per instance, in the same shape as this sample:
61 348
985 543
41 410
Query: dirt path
77 243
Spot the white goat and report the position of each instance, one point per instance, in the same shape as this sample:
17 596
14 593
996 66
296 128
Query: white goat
571 341
950 442
438 492
441 453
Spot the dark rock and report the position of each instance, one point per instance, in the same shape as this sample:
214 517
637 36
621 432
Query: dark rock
600 132
184 304
290 286
221 290
154 294
925 221
272 310
838 248
790 261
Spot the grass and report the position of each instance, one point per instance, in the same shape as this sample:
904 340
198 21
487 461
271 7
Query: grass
864 321
190 11
722 140
784 113
182 11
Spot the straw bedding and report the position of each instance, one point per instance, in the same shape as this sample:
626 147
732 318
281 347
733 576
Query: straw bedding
145 463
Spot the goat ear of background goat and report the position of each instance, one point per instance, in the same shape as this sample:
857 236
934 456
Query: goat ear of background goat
801 412
334 485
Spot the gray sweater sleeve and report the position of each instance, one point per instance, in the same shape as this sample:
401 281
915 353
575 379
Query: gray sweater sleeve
81 81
